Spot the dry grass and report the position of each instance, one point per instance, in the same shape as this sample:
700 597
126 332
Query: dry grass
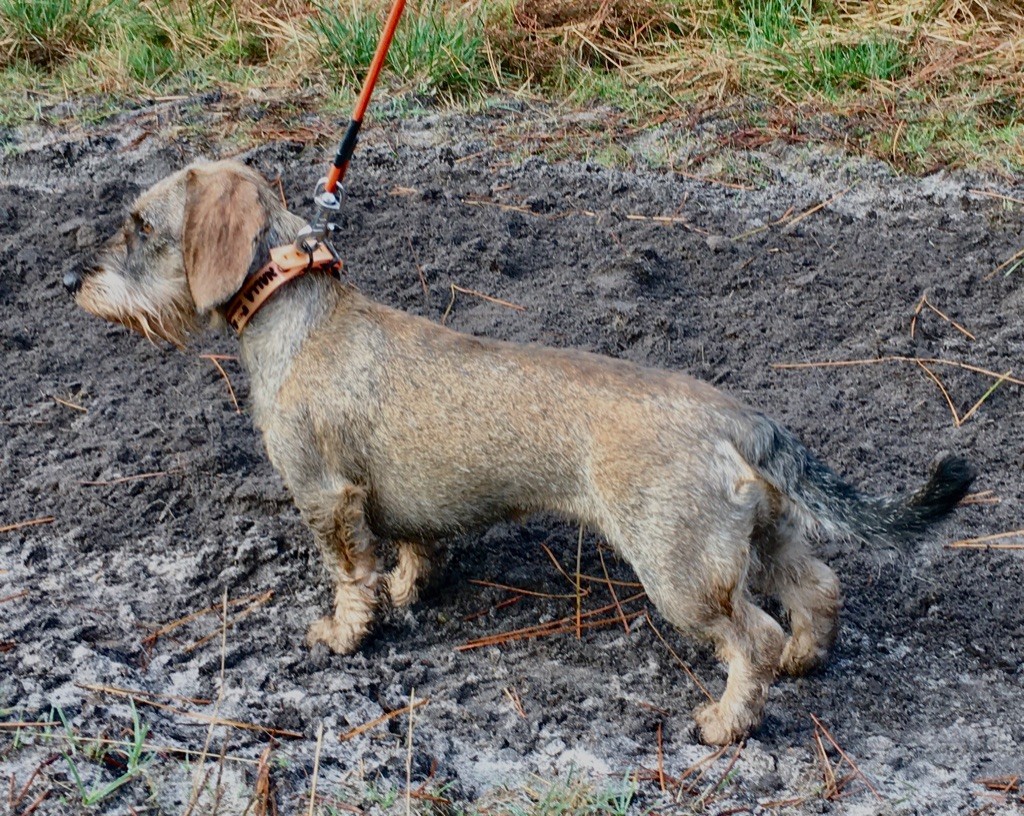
920 83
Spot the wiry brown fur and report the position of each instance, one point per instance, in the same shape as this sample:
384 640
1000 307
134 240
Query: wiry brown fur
385 425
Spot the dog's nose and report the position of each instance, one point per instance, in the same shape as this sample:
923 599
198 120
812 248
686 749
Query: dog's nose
73 280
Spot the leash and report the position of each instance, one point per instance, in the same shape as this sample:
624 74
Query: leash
313 250
328 202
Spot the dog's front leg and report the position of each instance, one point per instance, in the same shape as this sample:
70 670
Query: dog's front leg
336 518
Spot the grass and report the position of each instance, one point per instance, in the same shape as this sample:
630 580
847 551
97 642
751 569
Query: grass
44 33
98 774
920 83
437 51
90 761
573 796
132 759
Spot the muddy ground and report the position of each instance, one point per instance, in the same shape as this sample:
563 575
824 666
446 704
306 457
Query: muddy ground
162 501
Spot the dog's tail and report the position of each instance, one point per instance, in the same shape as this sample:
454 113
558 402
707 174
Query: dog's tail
782 460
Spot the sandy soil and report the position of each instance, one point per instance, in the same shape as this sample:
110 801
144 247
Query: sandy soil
162 501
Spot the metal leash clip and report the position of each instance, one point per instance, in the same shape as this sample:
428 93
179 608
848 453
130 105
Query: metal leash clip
321 230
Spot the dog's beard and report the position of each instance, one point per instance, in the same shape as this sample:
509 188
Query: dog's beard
154 327
161 312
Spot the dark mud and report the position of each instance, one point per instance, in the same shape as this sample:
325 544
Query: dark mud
162 500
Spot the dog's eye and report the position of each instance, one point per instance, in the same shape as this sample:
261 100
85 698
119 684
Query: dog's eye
142 226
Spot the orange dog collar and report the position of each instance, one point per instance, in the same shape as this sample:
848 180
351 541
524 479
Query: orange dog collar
286 263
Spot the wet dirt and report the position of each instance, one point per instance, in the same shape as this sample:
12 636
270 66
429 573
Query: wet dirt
161 501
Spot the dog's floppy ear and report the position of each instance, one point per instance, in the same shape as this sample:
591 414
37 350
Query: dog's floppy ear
223 220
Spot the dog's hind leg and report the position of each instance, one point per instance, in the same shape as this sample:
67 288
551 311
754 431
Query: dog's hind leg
691 549
336 518
415 563
699 586
808 590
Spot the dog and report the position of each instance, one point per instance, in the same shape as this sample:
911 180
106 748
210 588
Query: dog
388 426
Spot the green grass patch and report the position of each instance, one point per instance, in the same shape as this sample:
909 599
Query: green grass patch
46 32
437 50
575 796
764 25
891 73
839 68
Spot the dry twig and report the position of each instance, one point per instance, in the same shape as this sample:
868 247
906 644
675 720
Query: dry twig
706 797
556 627
30 523
982 497
207 718
316 767
788 219
830 784
661 760
13 800
1000 196
520 591
986 542
134 478
456 288
949 400
265 804
820 728
579 591
922 304
34 805
482 202
700 767
362 729
501 605
1002 784
256 604
816 208
161 749
419 270
667 220
516 700
895 358
150 640
32 724
408 756
1009 264
74 406
679 660
196 785
985 396
215 359
923 363
611 590
139 694
557 564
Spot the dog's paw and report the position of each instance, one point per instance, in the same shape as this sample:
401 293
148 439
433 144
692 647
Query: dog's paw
414 567
714 728
800 657
402 594
338 636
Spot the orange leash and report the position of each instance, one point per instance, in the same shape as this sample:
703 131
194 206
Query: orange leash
328 201
348 144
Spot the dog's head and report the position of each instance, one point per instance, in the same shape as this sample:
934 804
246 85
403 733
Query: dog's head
185 248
